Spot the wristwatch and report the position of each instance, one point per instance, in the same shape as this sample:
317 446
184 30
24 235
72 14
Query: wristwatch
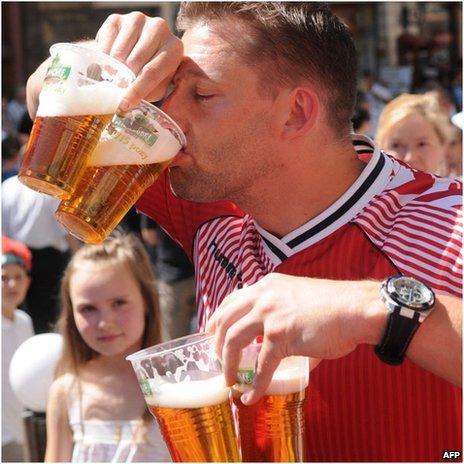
409 301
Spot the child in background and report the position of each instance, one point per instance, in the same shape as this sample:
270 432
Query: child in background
96 411
414 129
16 328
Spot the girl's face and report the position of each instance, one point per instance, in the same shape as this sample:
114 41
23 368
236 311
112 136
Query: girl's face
415 141
108 307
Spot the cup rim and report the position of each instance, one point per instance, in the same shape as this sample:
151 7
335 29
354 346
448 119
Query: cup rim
98 52
174 123
161 348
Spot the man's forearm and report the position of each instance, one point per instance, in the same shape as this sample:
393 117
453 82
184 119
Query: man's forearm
436 346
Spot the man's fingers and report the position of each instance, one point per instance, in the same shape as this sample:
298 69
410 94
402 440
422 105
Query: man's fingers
229 316
155 32
234 307
160 92
108 32
239 335
129 33
147 46
152 80
268 361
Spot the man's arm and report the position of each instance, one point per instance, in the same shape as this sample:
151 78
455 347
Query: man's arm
146 45
325 319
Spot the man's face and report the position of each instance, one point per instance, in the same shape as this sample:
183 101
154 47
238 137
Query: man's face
229 127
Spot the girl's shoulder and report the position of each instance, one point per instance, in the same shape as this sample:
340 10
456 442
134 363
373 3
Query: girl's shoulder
63 384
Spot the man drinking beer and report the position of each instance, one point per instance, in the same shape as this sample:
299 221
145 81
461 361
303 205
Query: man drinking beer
300 231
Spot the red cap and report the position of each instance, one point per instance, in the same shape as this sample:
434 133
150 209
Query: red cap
14 252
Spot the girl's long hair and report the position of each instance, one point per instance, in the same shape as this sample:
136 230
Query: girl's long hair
127 251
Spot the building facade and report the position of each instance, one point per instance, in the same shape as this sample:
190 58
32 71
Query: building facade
409 42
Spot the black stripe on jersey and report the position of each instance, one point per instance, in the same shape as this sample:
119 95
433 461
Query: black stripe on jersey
363 152
343 209
277 251
362 143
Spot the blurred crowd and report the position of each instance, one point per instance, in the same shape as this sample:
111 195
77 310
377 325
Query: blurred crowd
423 129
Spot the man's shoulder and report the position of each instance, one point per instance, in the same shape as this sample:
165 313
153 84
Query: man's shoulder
415 201
417 222
409 189
224 227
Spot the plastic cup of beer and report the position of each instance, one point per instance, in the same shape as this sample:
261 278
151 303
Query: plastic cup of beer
81 92
185 390
273 429
132 152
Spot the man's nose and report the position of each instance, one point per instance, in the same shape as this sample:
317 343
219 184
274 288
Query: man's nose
173 107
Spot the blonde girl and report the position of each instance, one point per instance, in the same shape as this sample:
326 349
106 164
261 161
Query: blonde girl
96 411
415 130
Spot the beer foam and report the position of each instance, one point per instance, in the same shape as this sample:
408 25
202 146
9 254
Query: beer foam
72 100
122 148
288 378
193 394
287 381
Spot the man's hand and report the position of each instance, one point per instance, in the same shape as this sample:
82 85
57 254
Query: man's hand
144 44
148 47
322 319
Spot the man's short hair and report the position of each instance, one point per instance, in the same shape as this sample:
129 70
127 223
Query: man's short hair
293 43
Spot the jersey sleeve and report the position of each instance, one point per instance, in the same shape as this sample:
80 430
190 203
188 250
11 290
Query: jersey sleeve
418 224
180 218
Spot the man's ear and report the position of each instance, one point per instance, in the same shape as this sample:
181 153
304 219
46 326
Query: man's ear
303 109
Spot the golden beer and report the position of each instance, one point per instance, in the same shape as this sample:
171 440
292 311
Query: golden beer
58 150
273 429
81 91
199 434
185 390
103 196
130 155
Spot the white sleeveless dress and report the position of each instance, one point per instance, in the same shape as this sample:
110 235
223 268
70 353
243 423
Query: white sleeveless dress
112 441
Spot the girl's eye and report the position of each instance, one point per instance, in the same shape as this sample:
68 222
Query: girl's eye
118 303
86 309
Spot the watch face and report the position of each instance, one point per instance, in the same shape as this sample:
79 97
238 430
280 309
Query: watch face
411 293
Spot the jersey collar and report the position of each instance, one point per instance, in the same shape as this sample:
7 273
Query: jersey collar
371 181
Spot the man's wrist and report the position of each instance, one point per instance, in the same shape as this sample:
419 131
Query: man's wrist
373 314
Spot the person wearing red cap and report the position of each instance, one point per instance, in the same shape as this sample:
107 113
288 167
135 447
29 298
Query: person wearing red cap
16 328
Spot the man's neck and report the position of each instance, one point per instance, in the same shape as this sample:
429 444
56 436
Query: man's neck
306 187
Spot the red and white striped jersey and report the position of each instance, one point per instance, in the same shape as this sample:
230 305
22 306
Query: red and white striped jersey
392 220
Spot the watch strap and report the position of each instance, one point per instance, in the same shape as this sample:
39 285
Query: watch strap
397 337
